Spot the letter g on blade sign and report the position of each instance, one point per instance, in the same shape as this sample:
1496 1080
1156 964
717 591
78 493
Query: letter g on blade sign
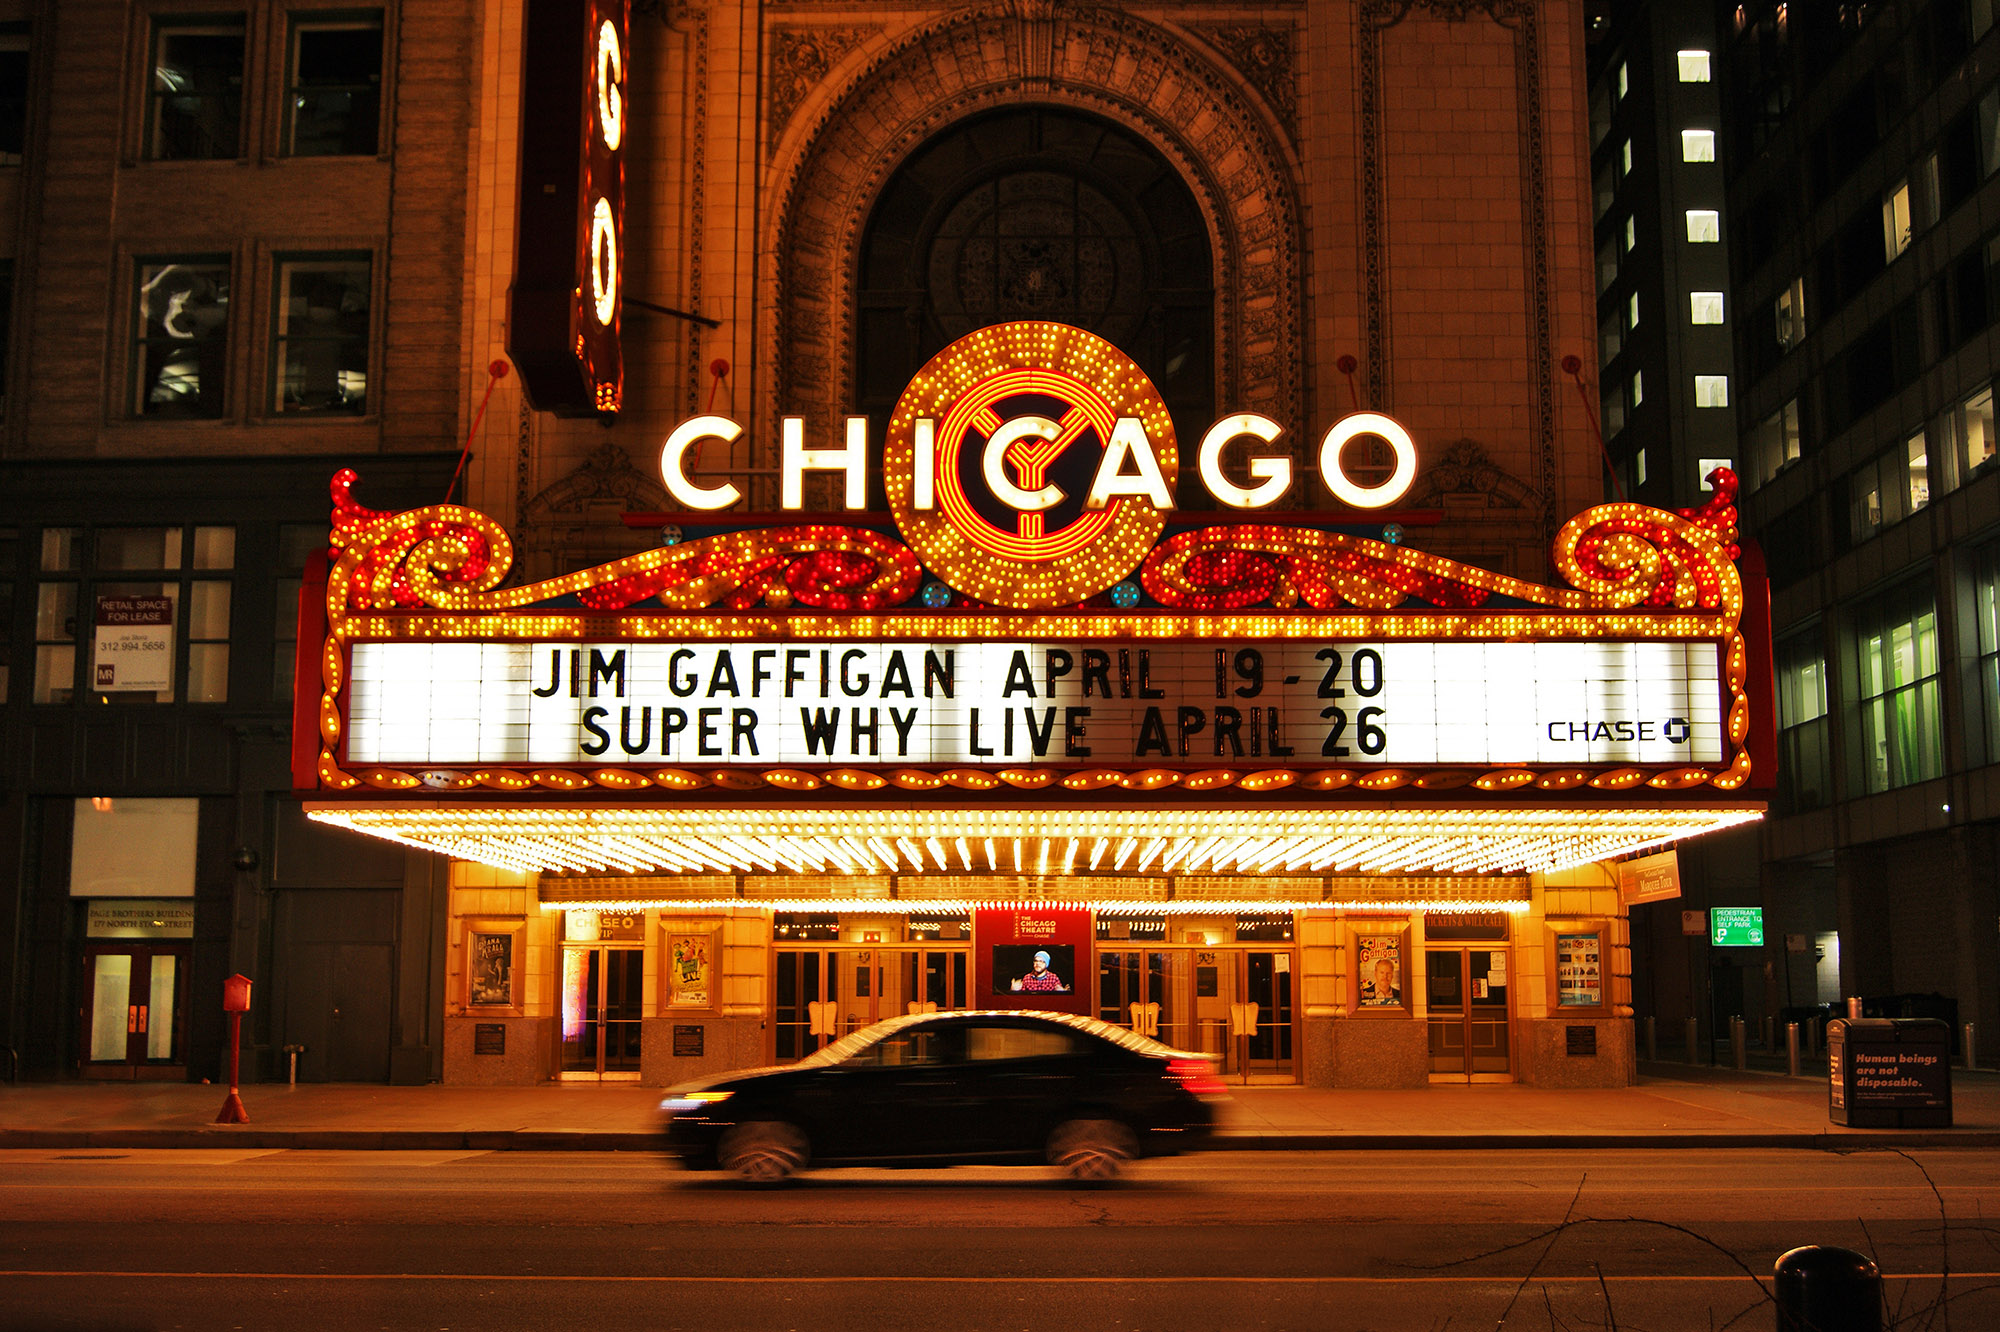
1030 464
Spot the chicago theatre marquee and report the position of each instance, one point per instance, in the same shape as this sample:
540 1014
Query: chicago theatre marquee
1316 802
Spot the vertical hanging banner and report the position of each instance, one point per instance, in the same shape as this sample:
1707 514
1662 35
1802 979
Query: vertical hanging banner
566 306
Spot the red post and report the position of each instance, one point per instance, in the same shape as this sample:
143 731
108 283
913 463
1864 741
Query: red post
235 1002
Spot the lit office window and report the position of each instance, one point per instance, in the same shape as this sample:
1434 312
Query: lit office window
1805 768
319 353
1791 314
1711 390
1896 226
1625 159
1624 78
1704 226
1693 66
1775 444
1705 307
1917 471
1897 712
1972 428
1639 473
1638 387
1632 312
1697 145
1986 612
180 336
1704 466
1631 232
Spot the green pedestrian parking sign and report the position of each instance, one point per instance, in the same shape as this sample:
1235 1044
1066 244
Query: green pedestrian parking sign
1736 927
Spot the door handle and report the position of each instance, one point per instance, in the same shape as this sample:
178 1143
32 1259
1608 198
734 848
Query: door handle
131 1018
142 1019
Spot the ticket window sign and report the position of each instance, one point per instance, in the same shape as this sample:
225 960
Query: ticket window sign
1736 927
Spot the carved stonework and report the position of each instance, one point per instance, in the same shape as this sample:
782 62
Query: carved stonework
1466 472
800 58
606 475
842 150
1266 56
1519 17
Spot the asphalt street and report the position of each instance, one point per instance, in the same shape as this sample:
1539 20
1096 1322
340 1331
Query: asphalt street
1636 1240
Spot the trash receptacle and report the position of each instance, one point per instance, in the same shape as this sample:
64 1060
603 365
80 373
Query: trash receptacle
1889 1072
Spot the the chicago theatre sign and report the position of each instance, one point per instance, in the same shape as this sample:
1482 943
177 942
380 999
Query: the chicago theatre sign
1042 647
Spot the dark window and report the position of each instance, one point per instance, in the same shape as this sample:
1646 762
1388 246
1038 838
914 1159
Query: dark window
13 92
1038 213
181 336
197 89
6 326
335 98
1986 618
319 347
1793 546
10 553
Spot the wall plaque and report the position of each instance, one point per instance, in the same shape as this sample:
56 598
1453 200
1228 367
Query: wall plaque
489 1038
688 1039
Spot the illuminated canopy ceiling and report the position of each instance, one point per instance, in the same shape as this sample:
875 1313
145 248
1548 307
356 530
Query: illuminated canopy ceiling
1380 839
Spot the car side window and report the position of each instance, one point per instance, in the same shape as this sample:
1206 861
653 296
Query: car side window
907 1049
988 1043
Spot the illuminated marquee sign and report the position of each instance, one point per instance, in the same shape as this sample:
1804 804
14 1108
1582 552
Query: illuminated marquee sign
1034 618
566 307
949 703
980 436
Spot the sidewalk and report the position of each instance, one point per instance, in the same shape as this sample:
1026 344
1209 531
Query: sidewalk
1673 1106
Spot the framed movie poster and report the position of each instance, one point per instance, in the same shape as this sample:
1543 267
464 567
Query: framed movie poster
1381 976
691 976
1579 969
492 950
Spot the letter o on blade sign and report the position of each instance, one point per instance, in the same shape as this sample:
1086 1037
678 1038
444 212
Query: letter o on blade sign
1352 427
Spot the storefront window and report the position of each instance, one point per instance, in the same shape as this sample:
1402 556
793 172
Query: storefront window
1898 709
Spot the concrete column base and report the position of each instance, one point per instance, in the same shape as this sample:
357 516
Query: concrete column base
727 1044
1366 1052
527 1057
1546 1055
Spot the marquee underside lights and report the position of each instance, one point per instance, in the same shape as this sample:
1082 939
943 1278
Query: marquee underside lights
1314 839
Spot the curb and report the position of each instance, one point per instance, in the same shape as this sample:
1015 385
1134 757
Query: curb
549 1140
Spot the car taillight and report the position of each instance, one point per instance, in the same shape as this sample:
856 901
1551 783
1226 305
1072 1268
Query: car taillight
1197 1075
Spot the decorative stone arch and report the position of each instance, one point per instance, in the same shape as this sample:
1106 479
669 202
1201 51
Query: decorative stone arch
841 147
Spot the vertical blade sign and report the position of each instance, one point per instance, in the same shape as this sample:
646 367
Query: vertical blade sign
566 306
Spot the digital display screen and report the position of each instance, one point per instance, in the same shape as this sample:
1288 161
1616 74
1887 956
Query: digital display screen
1034 968
1736 927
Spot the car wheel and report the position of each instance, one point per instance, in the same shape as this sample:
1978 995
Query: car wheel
763 1151
1092 1148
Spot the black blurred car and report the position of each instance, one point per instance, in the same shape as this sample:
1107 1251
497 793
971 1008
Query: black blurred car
949 1089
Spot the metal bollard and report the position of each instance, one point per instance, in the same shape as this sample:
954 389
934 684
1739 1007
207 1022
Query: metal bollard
1694 1048
1824 1289
1971 1048
292 1053
1769 1033
1652 1038
1738 1055
1791 1049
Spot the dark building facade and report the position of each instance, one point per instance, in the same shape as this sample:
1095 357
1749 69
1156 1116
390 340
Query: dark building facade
236 246
1858 147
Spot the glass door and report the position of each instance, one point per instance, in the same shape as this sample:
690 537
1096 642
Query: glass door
603 989
931 976
1268 984
1466 992
805 981
134 1014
